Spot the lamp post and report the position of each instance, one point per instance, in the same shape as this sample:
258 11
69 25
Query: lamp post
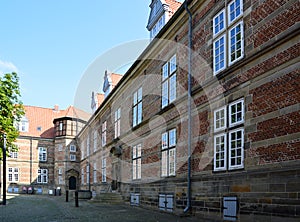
4 169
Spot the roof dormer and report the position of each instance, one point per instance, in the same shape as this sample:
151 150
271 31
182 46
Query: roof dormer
110 81
160 13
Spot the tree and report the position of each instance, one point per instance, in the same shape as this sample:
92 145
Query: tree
11 110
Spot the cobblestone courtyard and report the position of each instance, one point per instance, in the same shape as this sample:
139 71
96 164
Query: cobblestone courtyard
54 208
44 208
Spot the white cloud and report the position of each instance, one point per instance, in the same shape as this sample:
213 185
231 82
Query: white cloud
7 67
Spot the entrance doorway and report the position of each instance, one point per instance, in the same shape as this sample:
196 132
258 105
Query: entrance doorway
72 183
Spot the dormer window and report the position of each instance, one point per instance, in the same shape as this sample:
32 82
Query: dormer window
23 125
160 14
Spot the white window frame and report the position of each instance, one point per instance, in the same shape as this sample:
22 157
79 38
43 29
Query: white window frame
227 133
88 174
42 154
217 152
219 69
59 171
72 157
219 120
137 109
95 140
137 162
13 174
229 26
169 82
82 176
72 148
14 155
60 147
217 16
103 170
42 176
117 123
234 4
103 133
95 173
231 61
231 149
82 149
23 125
168 156
88 146
231 123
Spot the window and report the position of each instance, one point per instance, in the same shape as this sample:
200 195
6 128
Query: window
220 119
60 147
169 82
228 36
60 179
72 157
60 171
42 154
42 176
103 134
95 140
168 153
236 113
95 173
117 123
23 125
61 127
229 137
137 108
13 174
13 155
82 176
87 174
72 148
103 170
137 162
82 149
157 27
88 146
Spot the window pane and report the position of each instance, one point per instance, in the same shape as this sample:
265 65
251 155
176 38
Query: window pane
164 163
219 54
172 162
165 71
173 64
236 43
219 22
165 94
164 140
172 87
172 138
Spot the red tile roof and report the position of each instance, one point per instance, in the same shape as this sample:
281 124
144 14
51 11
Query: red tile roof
173 5
41 119
115 78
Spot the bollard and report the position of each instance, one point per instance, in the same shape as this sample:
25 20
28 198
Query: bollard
67 196
76 199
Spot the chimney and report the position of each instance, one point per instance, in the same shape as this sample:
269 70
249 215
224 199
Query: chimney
56 107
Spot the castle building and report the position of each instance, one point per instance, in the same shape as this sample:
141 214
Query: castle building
205 120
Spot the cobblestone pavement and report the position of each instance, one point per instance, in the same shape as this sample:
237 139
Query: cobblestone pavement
44 208
54 208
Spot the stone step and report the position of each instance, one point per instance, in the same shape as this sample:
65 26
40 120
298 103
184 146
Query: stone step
112 198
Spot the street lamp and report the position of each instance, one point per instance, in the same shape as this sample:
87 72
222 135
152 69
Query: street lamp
4 169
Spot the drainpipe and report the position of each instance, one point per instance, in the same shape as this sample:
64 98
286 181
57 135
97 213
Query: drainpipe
189 205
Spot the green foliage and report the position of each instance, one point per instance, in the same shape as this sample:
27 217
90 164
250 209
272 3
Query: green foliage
11 110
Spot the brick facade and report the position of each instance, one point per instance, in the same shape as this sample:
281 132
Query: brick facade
266 79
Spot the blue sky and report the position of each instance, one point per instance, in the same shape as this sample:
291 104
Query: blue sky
51 43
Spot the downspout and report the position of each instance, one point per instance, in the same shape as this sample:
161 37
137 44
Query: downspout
189 205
